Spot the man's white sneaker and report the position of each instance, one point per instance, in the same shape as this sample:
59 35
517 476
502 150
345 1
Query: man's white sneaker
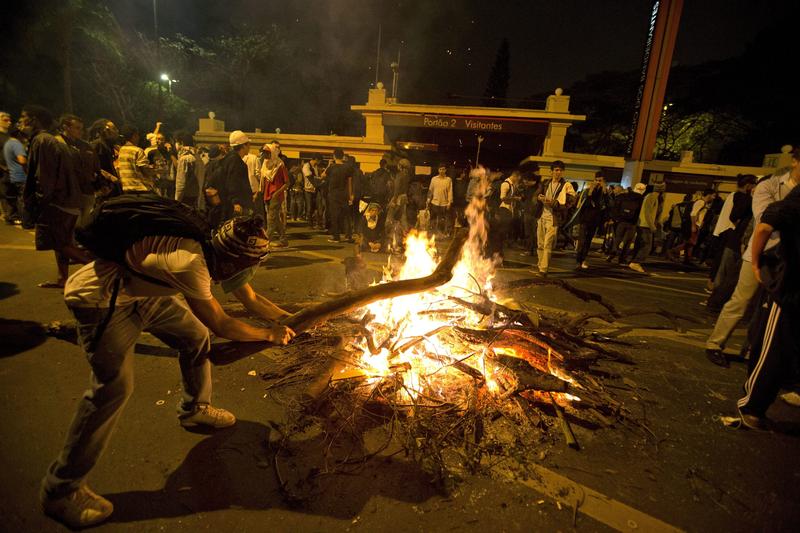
637 267
584 265
792 398
79 509
206 415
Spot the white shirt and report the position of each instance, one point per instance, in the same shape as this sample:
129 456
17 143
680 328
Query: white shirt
566 190
251 160
724 221
440 191
175 261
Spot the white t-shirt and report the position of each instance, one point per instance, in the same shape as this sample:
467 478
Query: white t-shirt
566 190
175 261
251 160
699 211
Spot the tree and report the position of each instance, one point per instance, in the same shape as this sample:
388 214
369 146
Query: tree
497 85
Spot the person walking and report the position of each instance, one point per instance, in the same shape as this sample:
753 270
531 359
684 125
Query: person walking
626 213
589 216
767 192
780 275
557 198
649 221
274 183
339 177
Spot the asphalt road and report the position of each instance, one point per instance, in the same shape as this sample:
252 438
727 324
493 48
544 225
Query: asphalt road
692 473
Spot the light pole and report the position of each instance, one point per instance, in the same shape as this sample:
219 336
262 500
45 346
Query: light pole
169 80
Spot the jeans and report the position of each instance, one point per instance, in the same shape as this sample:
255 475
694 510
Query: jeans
311 204
276 224
340 219
586 234
734 309
623 237
645 245
168 319
545 240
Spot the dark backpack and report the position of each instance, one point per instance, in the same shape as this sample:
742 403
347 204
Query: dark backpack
191 184
494 199
115 225
628 205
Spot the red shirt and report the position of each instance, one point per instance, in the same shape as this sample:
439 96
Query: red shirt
281 179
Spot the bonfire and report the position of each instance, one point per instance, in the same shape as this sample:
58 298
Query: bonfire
431 363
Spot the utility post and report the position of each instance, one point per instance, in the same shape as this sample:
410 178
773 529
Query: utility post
664 22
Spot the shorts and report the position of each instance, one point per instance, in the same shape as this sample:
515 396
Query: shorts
55 229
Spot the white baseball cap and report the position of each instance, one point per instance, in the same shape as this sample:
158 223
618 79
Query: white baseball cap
639 188
238 137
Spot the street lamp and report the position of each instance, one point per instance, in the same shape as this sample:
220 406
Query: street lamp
166 78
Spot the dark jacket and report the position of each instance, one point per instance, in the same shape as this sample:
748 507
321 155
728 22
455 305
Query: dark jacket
52 179
231 180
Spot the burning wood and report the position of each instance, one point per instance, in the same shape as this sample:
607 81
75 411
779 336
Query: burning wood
438 362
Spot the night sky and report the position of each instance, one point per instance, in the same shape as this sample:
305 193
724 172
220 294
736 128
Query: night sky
448 48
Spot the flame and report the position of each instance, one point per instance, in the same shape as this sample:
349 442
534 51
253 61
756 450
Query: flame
408 327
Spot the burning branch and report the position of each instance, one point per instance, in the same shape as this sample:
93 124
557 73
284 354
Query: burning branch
311 316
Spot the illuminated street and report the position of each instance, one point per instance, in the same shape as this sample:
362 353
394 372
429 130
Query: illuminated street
160 476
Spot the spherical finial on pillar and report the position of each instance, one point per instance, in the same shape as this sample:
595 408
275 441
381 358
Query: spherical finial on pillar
212 115
559 91
380 85
786 148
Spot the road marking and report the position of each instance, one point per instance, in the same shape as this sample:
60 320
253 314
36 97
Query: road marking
650 286
336 259
602 508
17 247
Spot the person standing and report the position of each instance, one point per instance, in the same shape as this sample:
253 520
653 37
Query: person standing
135 172
440 198
589 216
8 192
626 213
230 179
558 196
767 192
339 177
649 221
52 193
780 346
85 162
736 207
397 212
503 216
187 182
697 218
159 155
16 158
274 182
104 141
309 169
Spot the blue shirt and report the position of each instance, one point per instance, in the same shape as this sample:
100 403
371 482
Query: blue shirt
11 150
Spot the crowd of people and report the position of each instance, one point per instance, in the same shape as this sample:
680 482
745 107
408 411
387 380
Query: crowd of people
159 279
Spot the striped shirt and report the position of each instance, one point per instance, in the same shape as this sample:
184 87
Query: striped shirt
130 162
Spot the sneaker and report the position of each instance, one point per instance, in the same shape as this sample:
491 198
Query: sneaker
334 240
791 398
637 267
610 258
79 509
206 415
718 358
754 422
584 265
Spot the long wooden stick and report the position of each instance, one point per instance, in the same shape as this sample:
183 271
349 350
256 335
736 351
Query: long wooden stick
311 316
